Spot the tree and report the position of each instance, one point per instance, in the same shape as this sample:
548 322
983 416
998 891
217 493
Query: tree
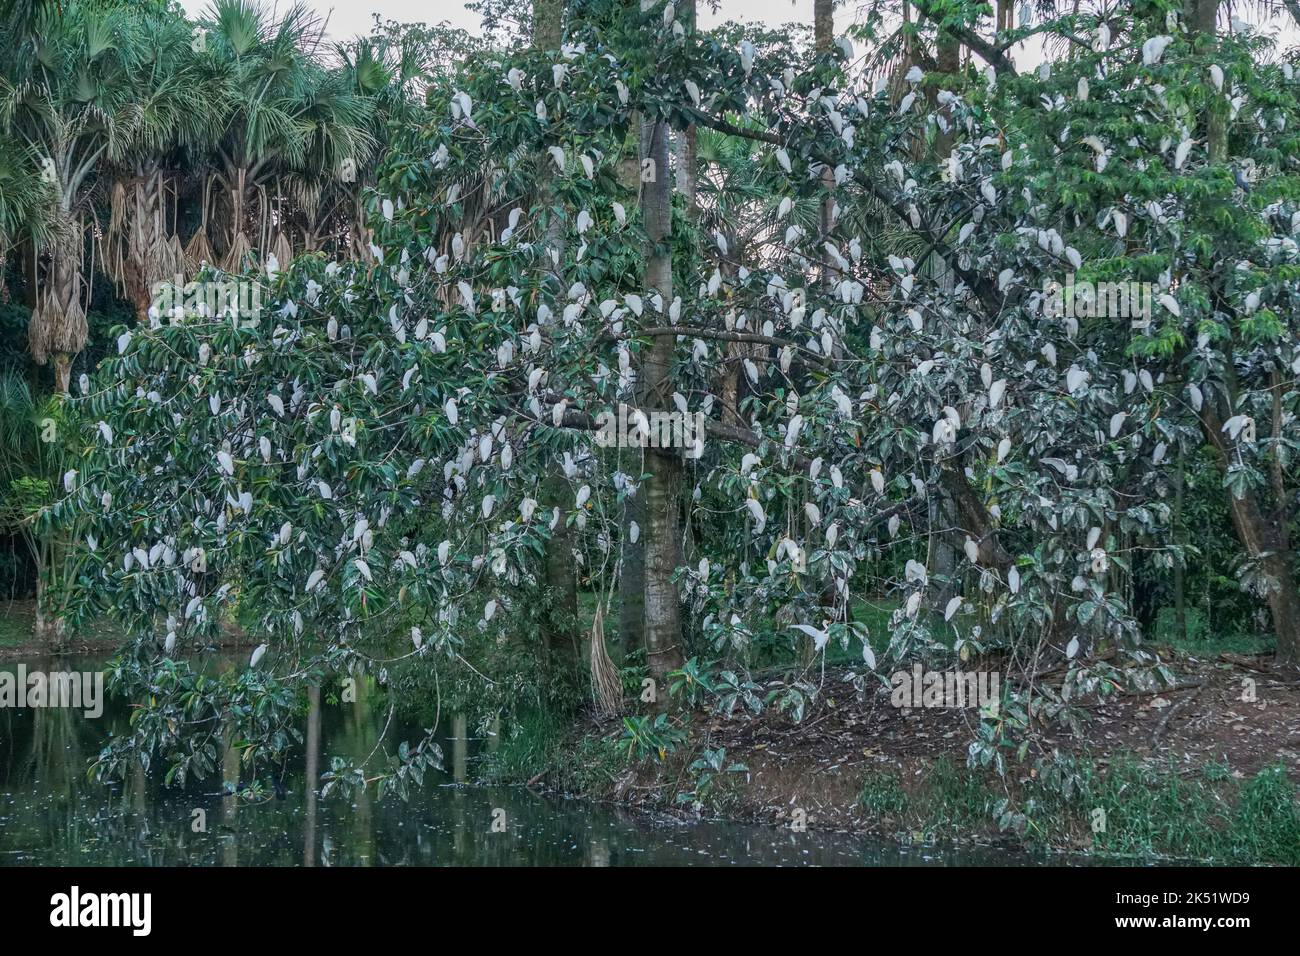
370 465
280 109
69 97
172 115
34 452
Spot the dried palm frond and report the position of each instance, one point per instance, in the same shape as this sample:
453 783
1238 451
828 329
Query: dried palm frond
173 257
117 208
58 324
198 252
281 248
606 688
240 247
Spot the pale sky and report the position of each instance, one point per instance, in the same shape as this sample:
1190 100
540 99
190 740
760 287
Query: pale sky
347 18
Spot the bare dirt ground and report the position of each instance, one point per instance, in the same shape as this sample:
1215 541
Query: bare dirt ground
819 765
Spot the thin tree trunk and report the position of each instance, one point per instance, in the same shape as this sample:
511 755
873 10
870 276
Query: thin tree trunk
631 575
823 37
663 489
1265 540
313 775
631 572
1180 583
561 621
943 517
687 163
42 624
1262 541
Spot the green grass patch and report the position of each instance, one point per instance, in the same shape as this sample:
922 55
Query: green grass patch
1128 809
15 626
1204 640
530 745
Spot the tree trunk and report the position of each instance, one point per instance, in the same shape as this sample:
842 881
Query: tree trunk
139 251
1201 17
57 330
823 37
561 620
548 24
731 379
1263 543
1259 538
943 552
1180 577
1265 540
631 572
62 372
631 575
687 164
944 558
663 488
823 24
42 626
148 242
561 649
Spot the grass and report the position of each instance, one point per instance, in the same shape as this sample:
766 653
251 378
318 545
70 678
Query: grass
1128 809
883 795
17 622
528 747
948 799
1202 640
18 629
540 741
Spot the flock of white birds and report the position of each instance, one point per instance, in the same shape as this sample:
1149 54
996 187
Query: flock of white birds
390 426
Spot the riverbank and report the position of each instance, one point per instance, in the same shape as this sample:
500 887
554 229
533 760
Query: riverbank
1206 771
19 641
1200 772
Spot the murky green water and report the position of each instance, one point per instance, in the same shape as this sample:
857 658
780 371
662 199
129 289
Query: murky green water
51 814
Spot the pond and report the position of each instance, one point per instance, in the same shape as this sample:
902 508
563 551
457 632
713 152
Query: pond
52 814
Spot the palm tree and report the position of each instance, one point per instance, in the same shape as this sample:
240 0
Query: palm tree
172 113
67 96
24 200
341 132
281 110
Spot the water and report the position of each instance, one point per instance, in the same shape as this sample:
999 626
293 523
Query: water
52 814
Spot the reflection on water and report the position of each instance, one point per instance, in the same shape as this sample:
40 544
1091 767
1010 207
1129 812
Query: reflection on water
52 814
